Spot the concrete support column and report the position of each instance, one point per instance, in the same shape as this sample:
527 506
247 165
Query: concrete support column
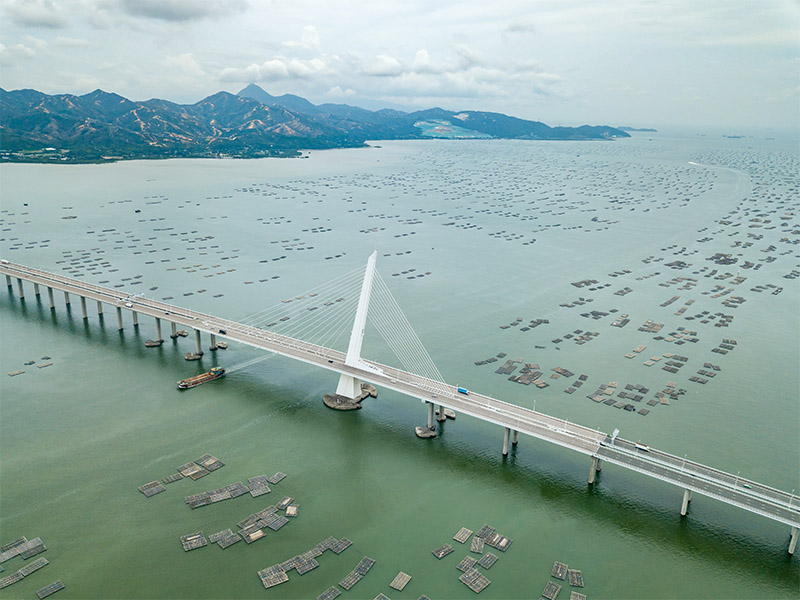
19 288
198 344
99 308
135 318
119 318
66 298
593 470
50 297
213 345
793 540
599 466
36 289
687 497
158 329
440 417
430 414
516 437
8 281
506 435
83 308
174 333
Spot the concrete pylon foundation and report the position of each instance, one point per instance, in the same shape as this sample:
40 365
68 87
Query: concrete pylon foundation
158 329
198 343
174 333
8 281
506 437
593 469
515 439
119 318
793 539
99 308
36 289
20 290
83 308
50 297
687 497
66 298
135 318
213 345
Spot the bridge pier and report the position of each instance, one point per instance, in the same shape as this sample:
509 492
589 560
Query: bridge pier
158 329
135 318
174 333
687 497
20 291
506 436
83 308
50 297
119 318
66 298
36 290
8 281
99 308
594 469
213 345
516 437
440 416
793 539
198 343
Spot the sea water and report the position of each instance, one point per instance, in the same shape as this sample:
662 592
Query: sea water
471 236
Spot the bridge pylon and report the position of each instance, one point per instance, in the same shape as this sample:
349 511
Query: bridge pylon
350 391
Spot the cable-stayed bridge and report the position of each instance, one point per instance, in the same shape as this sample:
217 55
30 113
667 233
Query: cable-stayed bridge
306 327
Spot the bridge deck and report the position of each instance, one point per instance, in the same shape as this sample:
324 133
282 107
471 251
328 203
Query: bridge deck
698 478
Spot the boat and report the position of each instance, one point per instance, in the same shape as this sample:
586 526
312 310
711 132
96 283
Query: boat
214 373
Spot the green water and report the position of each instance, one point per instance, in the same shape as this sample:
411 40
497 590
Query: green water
78 437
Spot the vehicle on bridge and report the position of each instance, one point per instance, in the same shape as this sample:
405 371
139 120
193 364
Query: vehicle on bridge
461 390
641 447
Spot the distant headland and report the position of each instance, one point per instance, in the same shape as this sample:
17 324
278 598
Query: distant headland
102 126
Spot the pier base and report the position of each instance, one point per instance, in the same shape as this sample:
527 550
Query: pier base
20 291
430 415
50 297
339 402
174 333
515 438
99 308
687 497
8 281
593 469
198 343
135 318
506 436
448 414
66 298
793 539
36 289
83 308
158 329
213 345
440 416
119 318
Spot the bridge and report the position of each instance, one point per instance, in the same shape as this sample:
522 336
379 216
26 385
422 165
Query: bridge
689 476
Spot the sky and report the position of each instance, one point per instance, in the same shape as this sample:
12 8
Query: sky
641 63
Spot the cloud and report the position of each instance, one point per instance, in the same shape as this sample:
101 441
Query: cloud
520 27
70 42
182 10
274 69
337 92
36 13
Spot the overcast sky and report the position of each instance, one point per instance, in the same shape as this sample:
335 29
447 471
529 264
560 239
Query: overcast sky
722 63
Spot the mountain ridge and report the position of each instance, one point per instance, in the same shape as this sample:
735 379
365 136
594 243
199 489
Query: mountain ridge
100 125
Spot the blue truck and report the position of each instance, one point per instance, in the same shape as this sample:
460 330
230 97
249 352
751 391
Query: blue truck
464 391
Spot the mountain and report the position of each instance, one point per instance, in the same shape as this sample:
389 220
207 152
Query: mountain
102 125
